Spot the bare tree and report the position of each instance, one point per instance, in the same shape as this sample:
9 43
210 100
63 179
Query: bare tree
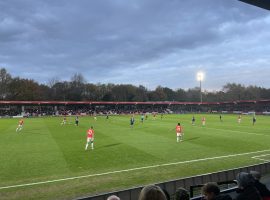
5 79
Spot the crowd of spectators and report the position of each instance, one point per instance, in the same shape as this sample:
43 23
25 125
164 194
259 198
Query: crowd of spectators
248 187
78 111
41 110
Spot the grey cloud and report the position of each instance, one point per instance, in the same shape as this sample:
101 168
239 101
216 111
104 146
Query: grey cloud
101 38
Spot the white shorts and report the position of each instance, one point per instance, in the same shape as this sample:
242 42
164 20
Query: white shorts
90 140
178 134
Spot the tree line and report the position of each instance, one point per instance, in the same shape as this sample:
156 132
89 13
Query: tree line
77 89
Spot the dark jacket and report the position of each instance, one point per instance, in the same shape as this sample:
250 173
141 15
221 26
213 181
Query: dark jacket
223 197
248 193
262 189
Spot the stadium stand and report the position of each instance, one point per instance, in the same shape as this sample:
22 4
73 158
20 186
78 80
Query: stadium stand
41 108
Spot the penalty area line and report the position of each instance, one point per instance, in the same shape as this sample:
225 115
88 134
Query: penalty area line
259 157
248 133
131 169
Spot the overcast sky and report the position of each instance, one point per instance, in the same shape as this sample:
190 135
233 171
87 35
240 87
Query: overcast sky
139 42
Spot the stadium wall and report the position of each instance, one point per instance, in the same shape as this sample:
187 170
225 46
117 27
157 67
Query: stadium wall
171 186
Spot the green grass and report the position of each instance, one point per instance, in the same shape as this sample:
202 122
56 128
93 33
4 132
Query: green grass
44 150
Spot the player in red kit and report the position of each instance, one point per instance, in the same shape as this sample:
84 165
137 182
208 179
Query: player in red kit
20 125
179 132
203 121
90 138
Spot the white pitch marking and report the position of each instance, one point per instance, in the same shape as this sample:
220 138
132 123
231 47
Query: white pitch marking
249 133
128 170
259 157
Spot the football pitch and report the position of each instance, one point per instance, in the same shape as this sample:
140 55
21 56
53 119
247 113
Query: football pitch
47 160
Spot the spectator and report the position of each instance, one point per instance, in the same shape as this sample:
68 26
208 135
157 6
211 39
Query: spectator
113 197
181 194
263 190
211 191
152 192
246 189
166 194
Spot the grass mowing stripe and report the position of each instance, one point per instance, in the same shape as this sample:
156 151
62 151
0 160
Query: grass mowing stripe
37 155
29 154
249 133
133 169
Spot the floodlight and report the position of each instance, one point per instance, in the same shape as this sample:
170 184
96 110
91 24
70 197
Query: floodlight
200 76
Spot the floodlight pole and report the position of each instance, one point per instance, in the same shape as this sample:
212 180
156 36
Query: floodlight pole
201 89
200 78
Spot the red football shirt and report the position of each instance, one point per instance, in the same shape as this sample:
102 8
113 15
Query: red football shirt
178 129
21 122
90 133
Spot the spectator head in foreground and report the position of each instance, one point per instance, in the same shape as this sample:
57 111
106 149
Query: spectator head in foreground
256 175
166 194
246 187
113 197
210 190
181 194
152 192
244 180
261 187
